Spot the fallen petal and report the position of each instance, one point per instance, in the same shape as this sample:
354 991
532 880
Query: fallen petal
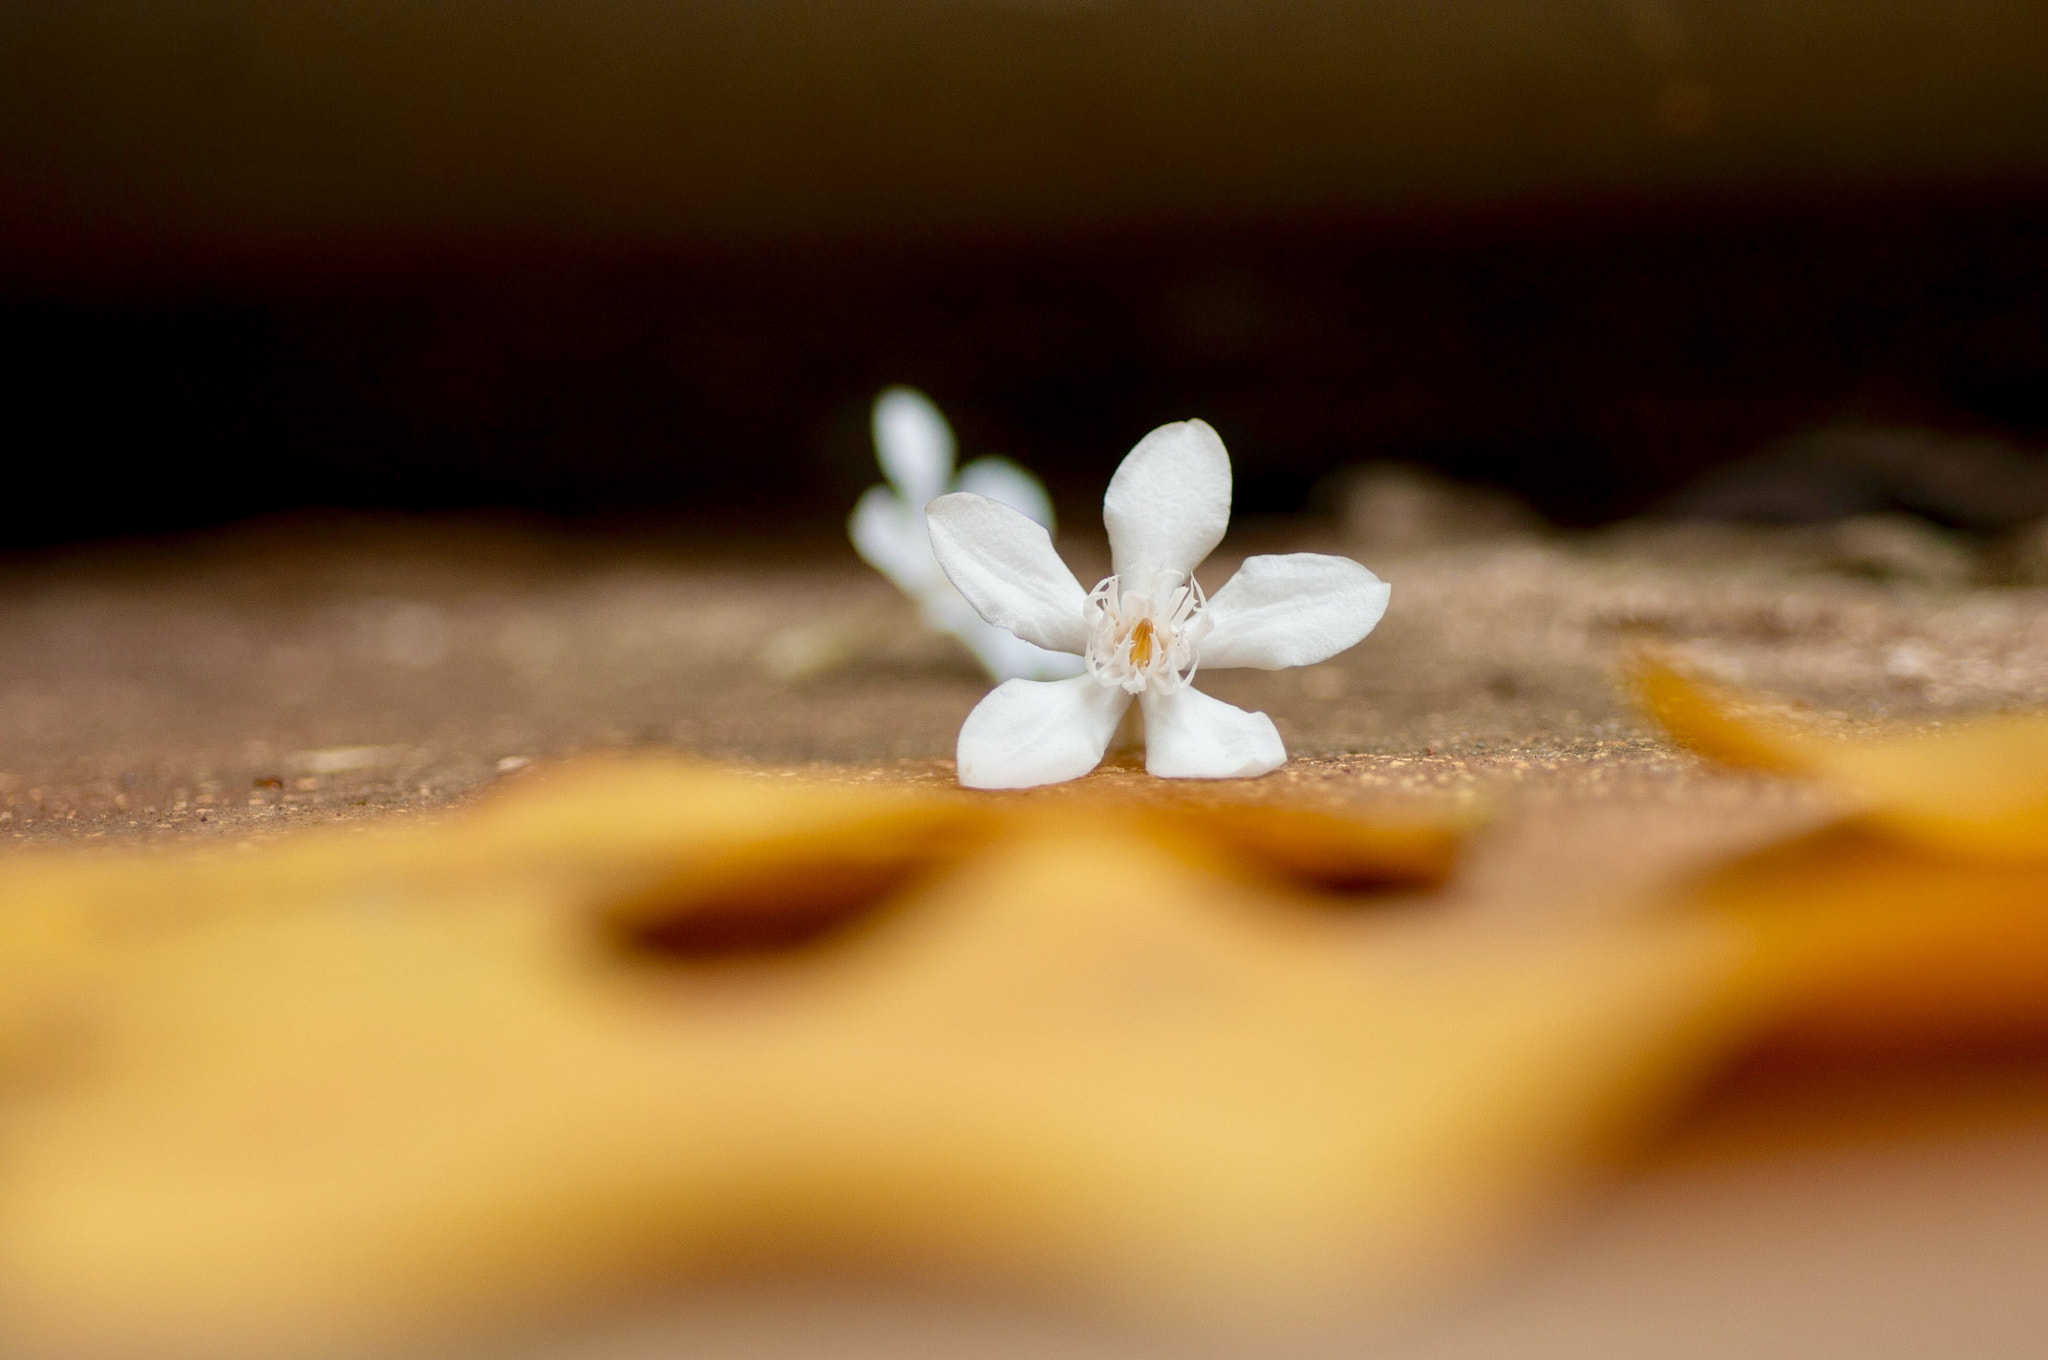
1006 567
1030 732
1169 502
890 536
913 443
1189 735
1292 610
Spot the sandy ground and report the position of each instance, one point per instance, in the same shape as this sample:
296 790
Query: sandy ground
298 672
257 680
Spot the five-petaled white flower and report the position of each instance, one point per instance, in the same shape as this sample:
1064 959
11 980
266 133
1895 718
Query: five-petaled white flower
914 445
1146 628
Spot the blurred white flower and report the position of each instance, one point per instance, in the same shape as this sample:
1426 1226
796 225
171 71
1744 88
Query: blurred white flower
914 445
1146 629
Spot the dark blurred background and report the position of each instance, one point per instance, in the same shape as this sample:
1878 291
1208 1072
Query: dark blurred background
647 258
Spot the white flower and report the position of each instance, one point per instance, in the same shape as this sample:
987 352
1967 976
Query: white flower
1145 630
914 445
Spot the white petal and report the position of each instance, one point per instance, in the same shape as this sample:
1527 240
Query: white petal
1169 503
1189 735
1005 656
1029 732
1292 610
913 443
999 479
1006 567
890 535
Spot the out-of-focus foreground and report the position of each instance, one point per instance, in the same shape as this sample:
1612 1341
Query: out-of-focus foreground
513 1077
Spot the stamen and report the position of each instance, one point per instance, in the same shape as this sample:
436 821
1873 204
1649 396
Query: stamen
1141 644
1146 640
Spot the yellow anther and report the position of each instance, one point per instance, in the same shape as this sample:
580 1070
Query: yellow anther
1141 643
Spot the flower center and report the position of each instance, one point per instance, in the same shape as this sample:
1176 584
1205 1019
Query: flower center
1146 638
1141 643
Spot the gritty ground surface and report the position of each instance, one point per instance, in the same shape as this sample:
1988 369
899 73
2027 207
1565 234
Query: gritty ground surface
297 674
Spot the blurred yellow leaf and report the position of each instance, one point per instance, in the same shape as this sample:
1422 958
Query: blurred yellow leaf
646 1019
1920 919
1974 786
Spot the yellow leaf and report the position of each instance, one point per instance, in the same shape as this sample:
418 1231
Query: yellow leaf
1974 786
1921 919
645 1019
